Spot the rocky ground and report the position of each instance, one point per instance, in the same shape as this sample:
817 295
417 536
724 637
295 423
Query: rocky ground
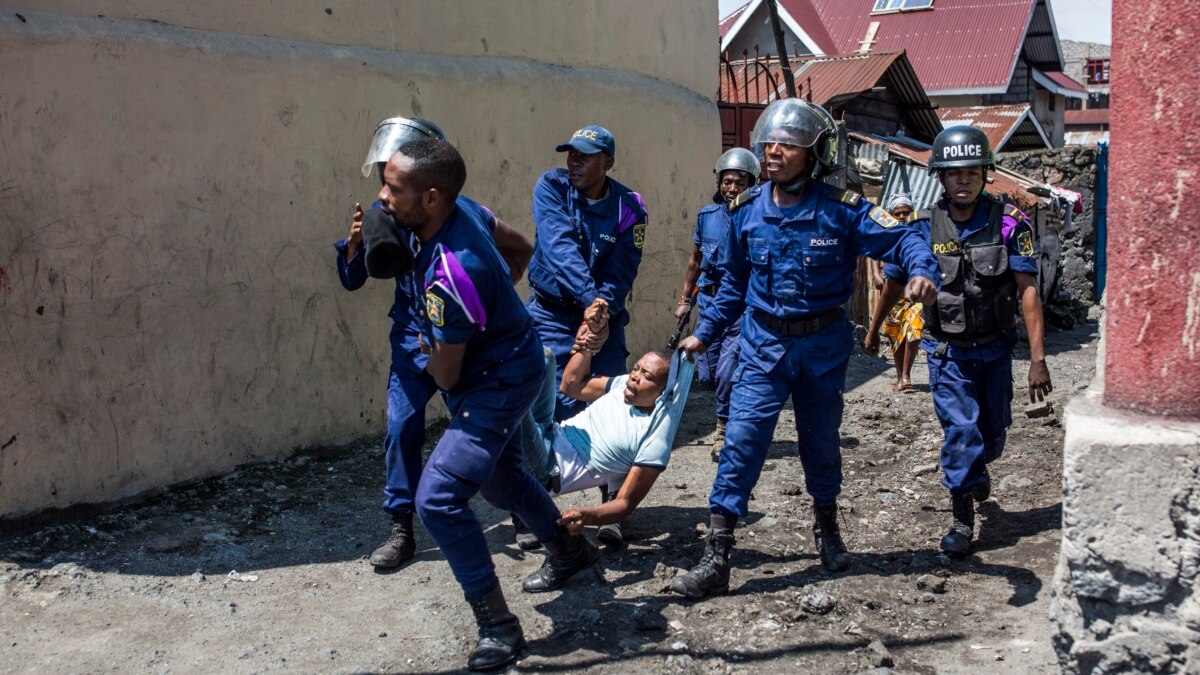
264 569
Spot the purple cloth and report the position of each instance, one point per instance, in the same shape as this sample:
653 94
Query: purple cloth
449 275
629 217
1008 224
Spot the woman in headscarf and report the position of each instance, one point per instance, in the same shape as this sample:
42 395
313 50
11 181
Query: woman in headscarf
902 322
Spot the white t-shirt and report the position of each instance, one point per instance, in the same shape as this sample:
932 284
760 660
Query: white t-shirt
608 435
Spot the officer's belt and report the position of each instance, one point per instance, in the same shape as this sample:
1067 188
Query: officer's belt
555 303
798 327
709 289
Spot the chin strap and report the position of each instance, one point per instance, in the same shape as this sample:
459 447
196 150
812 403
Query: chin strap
795 187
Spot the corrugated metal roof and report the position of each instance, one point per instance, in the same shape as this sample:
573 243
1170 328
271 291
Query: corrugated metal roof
727 22
828 78
1089 116
965 46
1065 81
1008 127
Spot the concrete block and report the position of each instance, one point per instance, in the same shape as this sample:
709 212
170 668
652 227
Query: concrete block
1123 591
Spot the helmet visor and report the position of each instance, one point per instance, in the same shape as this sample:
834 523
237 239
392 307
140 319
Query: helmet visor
390 136
790 122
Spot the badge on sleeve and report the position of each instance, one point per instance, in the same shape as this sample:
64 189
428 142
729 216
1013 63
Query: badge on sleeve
639 234
1025 243
882 218
436 309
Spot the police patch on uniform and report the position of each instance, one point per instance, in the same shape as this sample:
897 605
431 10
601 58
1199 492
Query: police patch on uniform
883 218
1025 243
639 234
436 309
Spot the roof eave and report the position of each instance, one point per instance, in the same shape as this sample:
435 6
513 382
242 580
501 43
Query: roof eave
963 91
1027 115
737 25
784 16
1053 87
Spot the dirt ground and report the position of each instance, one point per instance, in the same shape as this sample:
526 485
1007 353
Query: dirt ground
152 587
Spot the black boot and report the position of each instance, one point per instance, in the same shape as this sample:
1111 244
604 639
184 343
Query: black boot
710 576
500 636
400 546
958 540
828 537
982 491
527 540
566 556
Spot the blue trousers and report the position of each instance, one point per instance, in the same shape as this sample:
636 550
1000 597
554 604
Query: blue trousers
717 364
537 429
481 453
973 401
760 390
557 327
407 395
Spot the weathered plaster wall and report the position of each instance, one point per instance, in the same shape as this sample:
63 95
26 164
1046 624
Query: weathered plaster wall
1125 588
169 197
1153 279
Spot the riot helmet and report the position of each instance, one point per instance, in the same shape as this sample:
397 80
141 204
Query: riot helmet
794 121
738 159
960 146
394 132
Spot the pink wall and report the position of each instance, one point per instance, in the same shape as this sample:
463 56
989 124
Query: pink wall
1152 363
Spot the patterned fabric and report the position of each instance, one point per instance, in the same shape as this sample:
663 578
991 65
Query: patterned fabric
903 324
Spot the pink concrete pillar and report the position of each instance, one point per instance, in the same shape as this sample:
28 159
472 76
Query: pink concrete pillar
1152 364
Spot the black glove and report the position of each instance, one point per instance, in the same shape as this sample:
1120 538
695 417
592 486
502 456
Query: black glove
388 254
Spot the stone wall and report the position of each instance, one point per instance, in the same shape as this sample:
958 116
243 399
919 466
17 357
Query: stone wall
1073 168
173 177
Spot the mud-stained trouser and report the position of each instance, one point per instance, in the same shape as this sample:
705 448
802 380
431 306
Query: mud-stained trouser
480 452
557 325
717 364
408 393
760 388
973 401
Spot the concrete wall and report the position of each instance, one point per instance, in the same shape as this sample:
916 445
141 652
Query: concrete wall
172 180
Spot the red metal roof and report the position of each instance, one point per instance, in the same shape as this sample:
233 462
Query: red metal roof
1065 81
1086 117
727 22
967 46
999 122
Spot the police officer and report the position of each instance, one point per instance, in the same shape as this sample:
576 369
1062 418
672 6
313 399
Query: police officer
587 247
737 170
409 386
487 360
988 259
790 255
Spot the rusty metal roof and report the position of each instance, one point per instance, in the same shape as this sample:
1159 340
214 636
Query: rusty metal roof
1090 116
957 47
832 79
1008 127
727 23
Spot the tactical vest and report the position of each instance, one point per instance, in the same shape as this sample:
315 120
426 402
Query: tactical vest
977 302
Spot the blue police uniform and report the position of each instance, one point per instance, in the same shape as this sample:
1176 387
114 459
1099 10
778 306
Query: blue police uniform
716 365
409 386
972 385
468 298
583 251
791 270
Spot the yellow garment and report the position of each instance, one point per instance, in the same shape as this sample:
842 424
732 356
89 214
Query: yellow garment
903 324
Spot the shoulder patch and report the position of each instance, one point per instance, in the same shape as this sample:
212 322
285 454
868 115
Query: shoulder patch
744 198
882 218
435 308
923 214
845 196
1025 243
639 235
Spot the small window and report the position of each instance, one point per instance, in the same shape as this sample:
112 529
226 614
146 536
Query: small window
1073 104
1096 71
900 5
